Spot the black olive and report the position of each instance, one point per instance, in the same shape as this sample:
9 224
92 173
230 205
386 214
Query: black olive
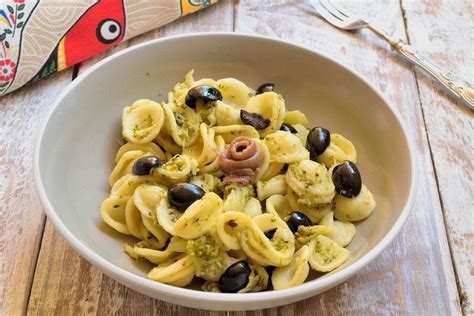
254 119
298 219
317 141
205 93
347 180
144 165
266 87
270 233
182 195
288 128
235 278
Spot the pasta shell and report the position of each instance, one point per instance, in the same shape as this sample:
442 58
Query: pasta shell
226 114
204 149
276 185
179 273
124 165
199 217
278 251
258 280
302 133
177 169
133 220
230 132
146 197
253 207
126 185
311 182
295 117
156 230
230 226
112 212
149 249
236 197
339 149
279 204
206 181
342 232
142 121
271 106
167 142
356 208
182 123
167 216
326 255
151 148
315 213
293 274
274 169
285 147
234 92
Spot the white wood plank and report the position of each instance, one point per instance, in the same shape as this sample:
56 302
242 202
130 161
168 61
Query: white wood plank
415 274
76 287
444 31
21 216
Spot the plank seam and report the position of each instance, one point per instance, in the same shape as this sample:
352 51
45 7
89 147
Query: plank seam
36 258
461 295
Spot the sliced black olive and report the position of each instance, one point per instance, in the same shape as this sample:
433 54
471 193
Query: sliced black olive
270 233
317 141
266 87
144 165
182 195
347 180
235 278
205 93
298 219
254 119
288 128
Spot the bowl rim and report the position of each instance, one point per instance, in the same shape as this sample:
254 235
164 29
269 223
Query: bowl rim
129 278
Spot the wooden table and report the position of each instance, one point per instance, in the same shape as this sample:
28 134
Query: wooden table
428 269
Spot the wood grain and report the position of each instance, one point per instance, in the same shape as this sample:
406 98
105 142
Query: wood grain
413 276
66 284
445 33
401 280
21 216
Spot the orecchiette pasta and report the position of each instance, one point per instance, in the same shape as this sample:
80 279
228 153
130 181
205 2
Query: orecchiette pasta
294 273
311 182
339 149
151 148
276 185
271 106
356 208
234 92
219 182
142 121
285 147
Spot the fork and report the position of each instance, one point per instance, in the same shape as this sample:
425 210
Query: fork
345 20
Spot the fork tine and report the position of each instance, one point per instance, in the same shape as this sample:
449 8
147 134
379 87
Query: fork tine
325 13
345 12
333 10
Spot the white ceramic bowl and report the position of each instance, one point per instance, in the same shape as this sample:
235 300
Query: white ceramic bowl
75 150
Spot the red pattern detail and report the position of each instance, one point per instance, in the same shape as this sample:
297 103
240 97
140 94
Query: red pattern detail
81 42
7 69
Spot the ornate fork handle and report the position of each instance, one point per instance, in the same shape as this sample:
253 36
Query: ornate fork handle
454 85
458 88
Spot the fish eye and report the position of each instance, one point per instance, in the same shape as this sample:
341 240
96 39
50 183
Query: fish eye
108 31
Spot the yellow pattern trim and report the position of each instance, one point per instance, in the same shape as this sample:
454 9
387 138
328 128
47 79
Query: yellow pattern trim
61 55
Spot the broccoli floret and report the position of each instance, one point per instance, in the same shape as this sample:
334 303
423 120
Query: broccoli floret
208 256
